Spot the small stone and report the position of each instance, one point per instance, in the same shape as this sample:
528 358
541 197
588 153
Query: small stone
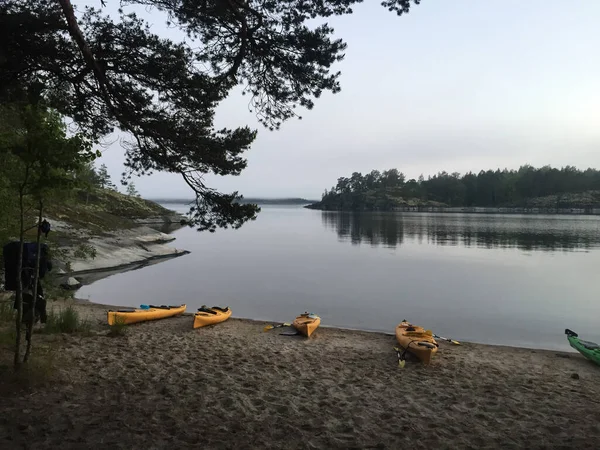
575 376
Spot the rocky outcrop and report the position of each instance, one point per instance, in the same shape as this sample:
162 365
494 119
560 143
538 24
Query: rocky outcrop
71 283
94 235
113 251
173 219
125 248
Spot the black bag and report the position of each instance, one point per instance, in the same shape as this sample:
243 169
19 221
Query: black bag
11 258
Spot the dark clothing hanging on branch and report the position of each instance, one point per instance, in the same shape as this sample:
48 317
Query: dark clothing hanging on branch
40 306
11 258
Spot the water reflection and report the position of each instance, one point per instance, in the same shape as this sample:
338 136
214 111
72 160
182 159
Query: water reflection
488 231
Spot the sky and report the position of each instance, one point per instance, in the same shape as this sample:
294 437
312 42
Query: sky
456 85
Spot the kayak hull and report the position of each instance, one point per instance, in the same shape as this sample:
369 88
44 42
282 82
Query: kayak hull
202 319
416 340
585 348
306 324
143 315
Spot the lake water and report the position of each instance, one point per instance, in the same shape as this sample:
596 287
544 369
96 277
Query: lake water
498 279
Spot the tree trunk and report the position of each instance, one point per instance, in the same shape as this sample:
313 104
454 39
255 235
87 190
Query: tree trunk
19 296
85 50
36 280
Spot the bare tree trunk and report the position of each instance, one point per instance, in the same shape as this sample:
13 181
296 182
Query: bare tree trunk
19 296
36 280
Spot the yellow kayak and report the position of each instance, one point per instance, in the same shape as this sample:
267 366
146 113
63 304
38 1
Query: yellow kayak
142 315
417 340
306 323
210 316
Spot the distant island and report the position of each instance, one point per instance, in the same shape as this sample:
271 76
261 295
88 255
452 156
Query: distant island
258 201
567 189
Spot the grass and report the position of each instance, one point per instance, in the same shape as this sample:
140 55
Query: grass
7 311
8 336
118 328
63 320
66 320
43 364
39 370
103 211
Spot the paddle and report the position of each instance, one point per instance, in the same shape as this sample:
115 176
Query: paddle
446 339
270 327
401 360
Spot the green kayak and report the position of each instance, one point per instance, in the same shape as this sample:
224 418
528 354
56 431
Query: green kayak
590 350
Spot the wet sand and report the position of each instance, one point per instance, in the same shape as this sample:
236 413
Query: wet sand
165 385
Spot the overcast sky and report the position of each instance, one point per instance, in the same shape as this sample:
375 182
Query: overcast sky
455 85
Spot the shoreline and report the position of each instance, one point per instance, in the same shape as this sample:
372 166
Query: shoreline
234 386
567 351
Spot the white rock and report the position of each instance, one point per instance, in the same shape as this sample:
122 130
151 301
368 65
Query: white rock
126 247
72 283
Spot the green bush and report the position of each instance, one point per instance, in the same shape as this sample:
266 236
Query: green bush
66 320
118 328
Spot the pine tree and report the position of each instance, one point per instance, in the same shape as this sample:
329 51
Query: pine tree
104 178
106 72
131 190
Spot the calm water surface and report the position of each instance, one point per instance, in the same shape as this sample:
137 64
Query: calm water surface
500 279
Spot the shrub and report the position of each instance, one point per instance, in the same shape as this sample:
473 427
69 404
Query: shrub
66 320
118 328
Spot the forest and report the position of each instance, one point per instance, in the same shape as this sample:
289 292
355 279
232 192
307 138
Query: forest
389 189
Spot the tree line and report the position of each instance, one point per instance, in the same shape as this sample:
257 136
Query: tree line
389 189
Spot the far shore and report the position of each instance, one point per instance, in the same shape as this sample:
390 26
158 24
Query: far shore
474 210
234 386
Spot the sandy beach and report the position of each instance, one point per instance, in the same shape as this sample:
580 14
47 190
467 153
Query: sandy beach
165 385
